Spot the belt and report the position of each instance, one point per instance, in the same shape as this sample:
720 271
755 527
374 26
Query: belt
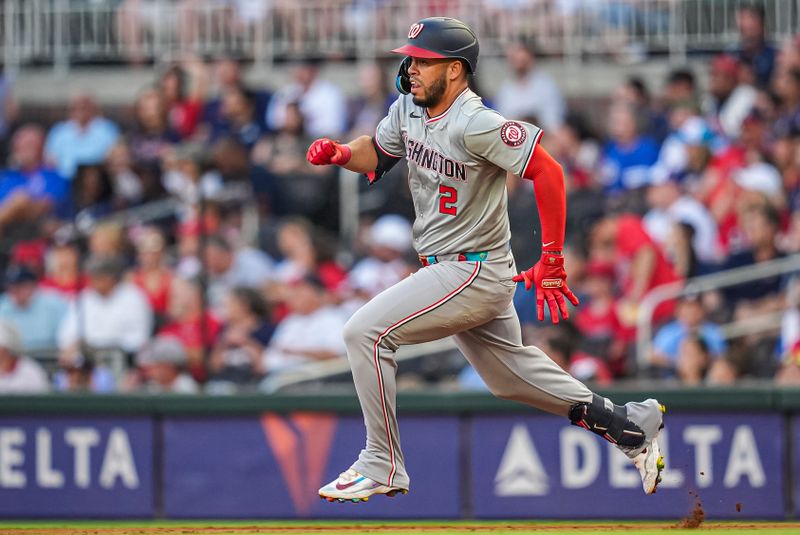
456 257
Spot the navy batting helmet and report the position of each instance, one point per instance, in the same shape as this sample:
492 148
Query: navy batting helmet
437 37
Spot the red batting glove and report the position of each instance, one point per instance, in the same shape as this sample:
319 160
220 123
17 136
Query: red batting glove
551 283
325 151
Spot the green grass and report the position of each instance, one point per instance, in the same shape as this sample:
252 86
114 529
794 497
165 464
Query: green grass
345 527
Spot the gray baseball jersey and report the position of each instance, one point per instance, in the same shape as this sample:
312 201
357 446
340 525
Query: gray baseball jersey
457 165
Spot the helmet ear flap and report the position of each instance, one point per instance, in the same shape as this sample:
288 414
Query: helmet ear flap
403 80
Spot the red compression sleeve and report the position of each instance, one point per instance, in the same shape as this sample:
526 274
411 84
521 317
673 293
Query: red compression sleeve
548 183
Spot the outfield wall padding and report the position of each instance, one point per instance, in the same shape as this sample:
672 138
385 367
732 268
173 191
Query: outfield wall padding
468 456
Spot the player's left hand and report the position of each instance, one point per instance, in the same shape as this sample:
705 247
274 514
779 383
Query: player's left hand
550 279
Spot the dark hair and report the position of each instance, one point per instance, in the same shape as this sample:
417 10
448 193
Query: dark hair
688 231
702 343
180 74
252 300
681 76
640 87
754 7
562 346
578 122
795 75
528 43
770 215
247 96
566 338
106 190
314 281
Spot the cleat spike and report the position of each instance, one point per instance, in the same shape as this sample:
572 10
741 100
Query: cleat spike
660 463
330 499
341 500
663 408
365 499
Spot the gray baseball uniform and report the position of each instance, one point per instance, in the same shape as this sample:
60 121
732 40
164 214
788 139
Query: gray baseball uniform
457 166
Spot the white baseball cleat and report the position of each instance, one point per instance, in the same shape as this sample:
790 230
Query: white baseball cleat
650 463
351 486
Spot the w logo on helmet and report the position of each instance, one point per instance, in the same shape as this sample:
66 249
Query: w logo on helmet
415 30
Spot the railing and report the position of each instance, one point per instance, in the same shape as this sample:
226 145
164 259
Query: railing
317 371
705 283
63 32
239 194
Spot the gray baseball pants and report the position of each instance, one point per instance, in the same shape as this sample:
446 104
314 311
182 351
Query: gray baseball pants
473 302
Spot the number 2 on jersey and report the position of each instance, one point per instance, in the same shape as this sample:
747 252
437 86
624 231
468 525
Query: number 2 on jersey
448 197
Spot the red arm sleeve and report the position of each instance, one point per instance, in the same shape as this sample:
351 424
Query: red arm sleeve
548 183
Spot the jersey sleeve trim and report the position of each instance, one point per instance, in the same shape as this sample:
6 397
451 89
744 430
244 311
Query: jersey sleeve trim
524 173
380 147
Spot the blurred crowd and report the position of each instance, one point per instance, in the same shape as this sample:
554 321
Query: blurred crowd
667 180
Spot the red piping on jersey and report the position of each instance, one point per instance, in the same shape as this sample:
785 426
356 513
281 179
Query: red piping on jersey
376 355
430 119
386 152
548 183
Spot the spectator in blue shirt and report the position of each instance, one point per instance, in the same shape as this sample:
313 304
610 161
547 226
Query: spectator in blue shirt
228 75
753 51
35 313
690 322
627 157
760 225
29 190
84 138
239 118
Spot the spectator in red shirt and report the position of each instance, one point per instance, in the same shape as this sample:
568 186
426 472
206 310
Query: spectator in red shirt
197 331
597 319
152 274
184 88
640 264
304 253
62 271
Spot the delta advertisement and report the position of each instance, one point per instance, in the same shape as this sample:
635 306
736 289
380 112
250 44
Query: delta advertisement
538 467
76 467
482 466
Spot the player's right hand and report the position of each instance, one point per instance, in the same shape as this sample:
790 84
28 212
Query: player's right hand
550 279
325 151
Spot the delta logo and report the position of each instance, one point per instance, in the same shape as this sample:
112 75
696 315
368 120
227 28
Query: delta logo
301 443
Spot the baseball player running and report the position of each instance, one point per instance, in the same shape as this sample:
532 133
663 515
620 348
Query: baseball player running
458 152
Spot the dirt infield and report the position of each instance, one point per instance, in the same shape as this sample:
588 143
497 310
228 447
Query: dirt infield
399 528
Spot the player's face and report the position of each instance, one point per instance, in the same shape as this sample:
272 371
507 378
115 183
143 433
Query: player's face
428 80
